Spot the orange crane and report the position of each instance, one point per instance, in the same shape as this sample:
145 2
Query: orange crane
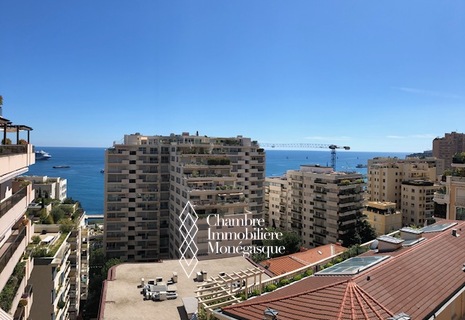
333 148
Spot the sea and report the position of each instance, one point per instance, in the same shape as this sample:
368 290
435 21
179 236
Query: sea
85 179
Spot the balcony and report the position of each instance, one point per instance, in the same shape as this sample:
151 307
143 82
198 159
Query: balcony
12 201
8 250
441 198
15 159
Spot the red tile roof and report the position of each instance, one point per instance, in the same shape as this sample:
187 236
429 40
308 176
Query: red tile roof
298 260
339 298
417 280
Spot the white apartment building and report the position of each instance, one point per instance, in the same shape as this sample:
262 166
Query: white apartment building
50 277
49 187
150 179
319 204
16 155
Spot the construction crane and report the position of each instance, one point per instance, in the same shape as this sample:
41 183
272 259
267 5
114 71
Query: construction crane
333 148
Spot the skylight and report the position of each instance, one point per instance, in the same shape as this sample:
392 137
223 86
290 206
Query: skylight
438 227
352 266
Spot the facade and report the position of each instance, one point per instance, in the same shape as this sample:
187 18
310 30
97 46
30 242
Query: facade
150 179
450 197
446 147
389 180
51 275
16 155
49 187
383 216
317 203
276 203
61 267
417 202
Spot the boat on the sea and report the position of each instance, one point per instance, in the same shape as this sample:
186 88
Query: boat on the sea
360 165
60 167
42 155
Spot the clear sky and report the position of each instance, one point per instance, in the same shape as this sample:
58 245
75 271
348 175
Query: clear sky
374 75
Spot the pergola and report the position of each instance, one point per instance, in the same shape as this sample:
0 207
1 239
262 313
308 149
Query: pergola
222 290
7 127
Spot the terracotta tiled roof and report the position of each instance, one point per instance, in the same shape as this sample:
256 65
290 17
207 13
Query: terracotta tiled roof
339 299
417 280
297 260
422 278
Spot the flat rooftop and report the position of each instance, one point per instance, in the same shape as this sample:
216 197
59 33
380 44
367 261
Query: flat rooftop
122 298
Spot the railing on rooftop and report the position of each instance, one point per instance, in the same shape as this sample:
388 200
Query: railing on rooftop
7 150
9 203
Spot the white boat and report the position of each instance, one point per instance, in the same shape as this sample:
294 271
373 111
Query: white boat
42 155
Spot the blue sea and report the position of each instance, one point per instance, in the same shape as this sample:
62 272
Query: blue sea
85 181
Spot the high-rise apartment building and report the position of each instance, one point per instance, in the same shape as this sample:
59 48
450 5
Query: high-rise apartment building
409 183
276 203
150 179
319 204
446 147
16 155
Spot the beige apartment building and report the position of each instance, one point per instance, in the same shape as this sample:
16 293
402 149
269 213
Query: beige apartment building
277 202
383 216
417 202
319 204
450 197
16 155
446 147
150 179
409 183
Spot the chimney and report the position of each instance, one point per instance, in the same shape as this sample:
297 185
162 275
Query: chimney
454 233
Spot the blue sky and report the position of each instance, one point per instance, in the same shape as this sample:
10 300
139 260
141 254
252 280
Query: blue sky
374 75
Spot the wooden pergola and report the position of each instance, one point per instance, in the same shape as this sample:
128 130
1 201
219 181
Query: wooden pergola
7 127
223 290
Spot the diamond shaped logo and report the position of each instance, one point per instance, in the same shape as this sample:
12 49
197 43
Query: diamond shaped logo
188 247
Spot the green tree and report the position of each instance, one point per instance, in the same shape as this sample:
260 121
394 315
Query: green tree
99 267
57 213
360 233
289 240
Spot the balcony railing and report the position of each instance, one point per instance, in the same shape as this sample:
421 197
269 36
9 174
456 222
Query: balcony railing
20 314
6 150
9 203
11 245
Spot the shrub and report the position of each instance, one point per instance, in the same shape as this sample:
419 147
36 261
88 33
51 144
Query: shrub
297 277
309 272
35 239
270 287
284 282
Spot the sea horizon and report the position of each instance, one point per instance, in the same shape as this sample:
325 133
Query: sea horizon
86 182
